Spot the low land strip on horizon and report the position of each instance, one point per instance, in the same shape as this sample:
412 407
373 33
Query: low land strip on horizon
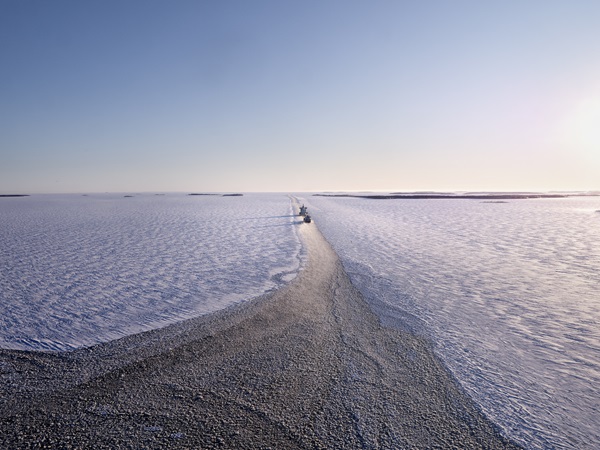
433 196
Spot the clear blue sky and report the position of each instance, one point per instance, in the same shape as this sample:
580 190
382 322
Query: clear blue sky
299 95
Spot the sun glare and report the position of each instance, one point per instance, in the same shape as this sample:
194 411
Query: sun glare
582 131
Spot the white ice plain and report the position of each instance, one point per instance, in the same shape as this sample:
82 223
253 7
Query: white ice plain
79 270
508 293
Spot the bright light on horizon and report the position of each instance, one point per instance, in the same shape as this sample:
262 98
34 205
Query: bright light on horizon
582 130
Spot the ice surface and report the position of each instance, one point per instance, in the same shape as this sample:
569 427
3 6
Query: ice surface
509 294
75 271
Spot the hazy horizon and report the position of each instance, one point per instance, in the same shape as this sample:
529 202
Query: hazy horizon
574 193
266 96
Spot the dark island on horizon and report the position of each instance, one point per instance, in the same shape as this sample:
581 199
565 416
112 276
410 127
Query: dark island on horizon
222 195
446 196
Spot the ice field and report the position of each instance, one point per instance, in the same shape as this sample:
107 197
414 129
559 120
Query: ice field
508 292
78 270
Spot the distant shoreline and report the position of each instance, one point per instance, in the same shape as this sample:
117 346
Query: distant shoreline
13 195
456 197
221 195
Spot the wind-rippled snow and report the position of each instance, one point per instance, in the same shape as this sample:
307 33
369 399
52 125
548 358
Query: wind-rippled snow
508 292
77 270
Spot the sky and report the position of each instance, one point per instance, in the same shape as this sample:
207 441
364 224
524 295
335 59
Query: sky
289 96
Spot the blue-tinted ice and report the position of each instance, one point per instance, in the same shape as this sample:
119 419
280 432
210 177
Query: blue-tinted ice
508 292
78 270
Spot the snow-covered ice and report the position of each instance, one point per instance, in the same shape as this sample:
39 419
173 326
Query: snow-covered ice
508 292
78 270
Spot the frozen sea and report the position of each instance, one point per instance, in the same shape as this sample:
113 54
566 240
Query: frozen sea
78 270
509 293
